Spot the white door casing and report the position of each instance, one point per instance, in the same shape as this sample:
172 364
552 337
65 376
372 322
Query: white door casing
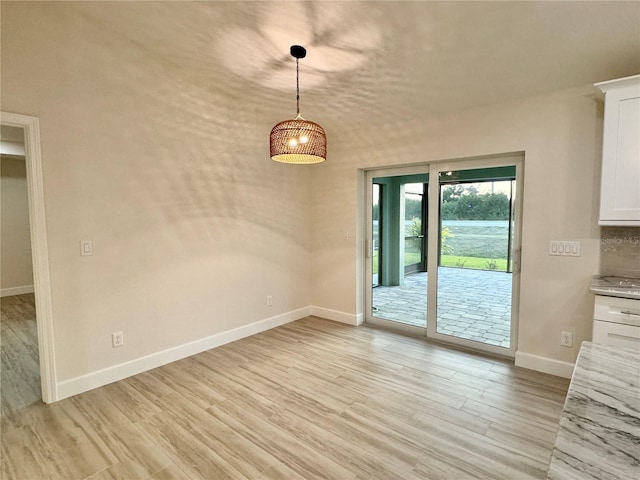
39 249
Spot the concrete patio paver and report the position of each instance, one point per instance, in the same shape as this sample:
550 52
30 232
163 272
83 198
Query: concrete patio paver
472 304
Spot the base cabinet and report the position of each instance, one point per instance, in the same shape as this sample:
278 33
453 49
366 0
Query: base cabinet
616 335
616 322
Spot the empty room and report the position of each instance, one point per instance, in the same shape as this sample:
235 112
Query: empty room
320 240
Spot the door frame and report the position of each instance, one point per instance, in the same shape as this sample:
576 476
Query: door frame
433 200
39 249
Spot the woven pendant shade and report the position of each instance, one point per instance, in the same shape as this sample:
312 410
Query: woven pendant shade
298 141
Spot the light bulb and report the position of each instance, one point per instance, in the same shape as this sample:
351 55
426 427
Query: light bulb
293 142
304 139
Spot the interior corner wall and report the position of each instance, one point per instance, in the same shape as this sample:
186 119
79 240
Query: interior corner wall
16 270
191 229
560 135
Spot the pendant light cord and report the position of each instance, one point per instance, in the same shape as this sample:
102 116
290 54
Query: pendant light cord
298 86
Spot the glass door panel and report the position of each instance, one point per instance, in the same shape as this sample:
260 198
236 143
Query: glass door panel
398 249
474 277
414 228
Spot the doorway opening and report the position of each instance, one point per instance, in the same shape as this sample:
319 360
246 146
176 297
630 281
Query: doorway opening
445 251
20 377
41 296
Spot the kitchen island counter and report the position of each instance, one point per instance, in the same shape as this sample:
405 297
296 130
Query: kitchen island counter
599 434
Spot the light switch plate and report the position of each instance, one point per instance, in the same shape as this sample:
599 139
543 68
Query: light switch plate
564 248
86 248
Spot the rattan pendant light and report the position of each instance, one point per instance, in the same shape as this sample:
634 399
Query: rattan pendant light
298 141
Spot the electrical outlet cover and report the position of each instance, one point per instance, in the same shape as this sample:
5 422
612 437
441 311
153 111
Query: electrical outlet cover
566 339
117 339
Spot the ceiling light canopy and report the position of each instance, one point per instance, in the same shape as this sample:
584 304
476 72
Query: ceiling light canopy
298 141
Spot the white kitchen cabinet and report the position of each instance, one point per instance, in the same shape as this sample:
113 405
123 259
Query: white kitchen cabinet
616 321
620 187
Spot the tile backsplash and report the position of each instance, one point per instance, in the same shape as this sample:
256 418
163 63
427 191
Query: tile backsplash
620 251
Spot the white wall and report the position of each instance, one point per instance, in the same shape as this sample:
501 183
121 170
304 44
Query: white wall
560 134
16 271
192 224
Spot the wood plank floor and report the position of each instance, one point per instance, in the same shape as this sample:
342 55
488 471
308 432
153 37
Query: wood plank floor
19 359
311 399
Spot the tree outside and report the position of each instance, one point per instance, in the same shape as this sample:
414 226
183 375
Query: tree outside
475 227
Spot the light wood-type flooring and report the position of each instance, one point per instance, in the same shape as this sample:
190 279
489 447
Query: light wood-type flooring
19 359
313 399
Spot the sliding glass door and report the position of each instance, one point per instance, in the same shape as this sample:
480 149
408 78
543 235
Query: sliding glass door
444 248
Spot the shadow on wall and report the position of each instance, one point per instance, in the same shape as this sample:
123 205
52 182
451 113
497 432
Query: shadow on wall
182 147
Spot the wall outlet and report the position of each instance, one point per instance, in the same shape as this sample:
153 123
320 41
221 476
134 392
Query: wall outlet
117 339
566 339
269 300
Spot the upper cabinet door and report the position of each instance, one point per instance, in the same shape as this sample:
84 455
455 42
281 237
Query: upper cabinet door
620 188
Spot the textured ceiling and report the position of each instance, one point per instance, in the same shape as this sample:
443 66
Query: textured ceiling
380 61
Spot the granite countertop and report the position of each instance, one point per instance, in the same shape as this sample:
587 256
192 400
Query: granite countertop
599 434
616 286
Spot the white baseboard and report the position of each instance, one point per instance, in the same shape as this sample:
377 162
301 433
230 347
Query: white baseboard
83 383
544 364
337 316
9 292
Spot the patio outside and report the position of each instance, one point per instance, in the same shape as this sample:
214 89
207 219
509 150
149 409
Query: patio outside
472 304
475 226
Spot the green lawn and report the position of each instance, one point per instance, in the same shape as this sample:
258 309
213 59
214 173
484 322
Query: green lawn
473 262
453 261
478 246
480 241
